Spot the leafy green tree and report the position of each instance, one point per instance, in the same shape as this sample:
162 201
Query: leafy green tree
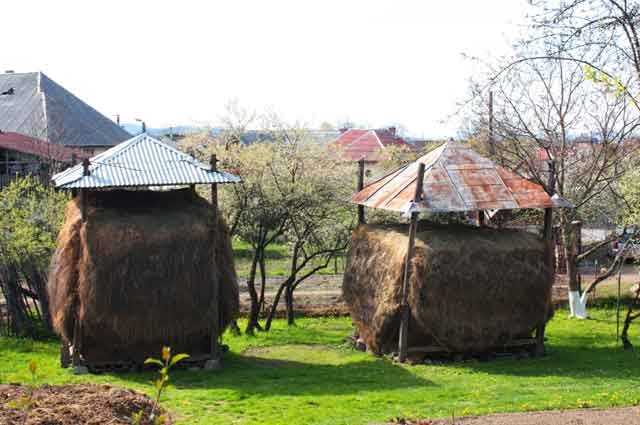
291 191
316 188
31 215
630 190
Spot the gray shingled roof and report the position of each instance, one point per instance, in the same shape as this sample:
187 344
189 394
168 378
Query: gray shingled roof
42 109
140 161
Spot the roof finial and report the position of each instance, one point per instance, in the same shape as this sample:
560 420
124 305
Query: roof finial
85 167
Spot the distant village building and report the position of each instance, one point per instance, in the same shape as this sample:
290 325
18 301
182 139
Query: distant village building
34 105
371 145
44 127
21 155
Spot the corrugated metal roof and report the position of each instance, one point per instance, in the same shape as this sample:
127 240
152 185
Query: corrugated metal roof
456 179
41 108
140 161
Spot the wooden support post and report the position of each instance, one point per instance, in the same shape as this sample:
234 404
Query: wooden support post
481 218
215 331
213 162
578 241
547 235
77 341
404 307
65 355
361 219
83 192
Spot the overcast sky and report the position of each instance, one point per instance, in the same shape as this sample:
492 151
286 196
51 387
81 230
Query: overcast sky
374 62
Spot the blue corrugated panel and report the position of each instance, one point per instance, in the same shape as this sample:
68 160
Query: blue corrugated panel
140 161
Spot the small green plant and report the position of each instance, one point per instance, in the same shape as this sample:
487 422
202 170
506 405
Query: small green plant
165 363
25 403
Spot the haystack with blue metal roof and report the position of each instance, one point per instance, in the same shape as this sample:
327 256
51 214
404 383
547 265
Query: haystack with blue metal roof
142 260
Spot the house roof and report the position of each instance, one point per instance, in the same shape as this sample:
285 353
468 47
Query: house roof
140 161
456 179
32 146
368 144
40 108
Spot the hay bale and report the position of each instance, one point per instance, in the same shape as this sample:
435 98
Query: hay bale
471 289
141 271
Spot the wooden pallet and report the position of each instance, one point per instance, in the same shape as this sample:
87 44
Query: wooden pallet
123 366
520 348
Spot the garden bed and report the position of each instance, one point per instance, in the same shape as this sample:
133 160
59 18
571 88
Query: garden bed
72 404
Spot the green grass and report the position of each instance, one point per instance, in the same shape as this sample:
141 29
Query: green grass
307 375
277 260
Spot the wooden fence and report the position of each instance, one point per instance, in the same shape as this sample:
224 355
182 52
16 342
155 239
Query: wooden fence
6 179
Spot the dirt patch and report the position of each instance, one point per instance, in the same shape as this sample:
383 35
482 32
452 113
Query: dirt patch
615 416
319 296
73 404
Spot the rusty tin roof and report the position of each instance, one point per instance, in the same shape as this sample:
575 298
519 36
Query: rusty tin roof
456 179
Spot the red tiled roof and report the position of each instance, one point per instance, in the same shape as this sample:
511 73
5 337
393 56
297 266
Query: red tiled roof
368 144
349 136
40 148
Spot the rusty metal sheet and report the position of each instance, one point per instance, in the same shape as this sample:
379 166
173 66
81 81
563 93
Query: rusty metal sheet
443 198
456 179
371 189
395 188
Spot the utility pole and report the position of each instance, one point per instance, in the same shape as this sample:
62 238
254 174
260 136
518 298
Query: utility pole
492 146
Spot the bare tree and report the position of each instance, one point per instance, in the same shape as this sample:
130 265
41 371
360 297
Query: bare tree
540 106
601 34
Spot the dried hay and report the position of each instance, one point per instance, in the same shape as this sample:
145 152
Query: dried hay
471 289
141 270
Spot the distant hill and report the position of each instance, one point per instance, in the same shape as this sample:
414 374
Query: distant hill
135 129
251 136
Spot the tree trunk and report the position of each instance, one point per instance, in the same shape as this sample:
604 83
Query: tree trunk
276 301
263 283
288 299
254 311
624 336
18 319
38 284
570 237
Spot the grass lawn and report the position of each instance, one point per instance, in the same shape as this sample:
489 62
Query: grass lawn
277 260
306 375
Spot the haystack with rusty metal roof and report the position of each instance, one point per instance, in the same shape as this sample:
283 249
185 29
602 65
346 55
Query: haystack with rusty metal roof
449 289
135 268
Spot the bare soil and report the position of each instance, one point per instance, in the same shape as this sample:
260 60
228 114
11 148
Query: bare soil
322 295
318 296
615 416
73 404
